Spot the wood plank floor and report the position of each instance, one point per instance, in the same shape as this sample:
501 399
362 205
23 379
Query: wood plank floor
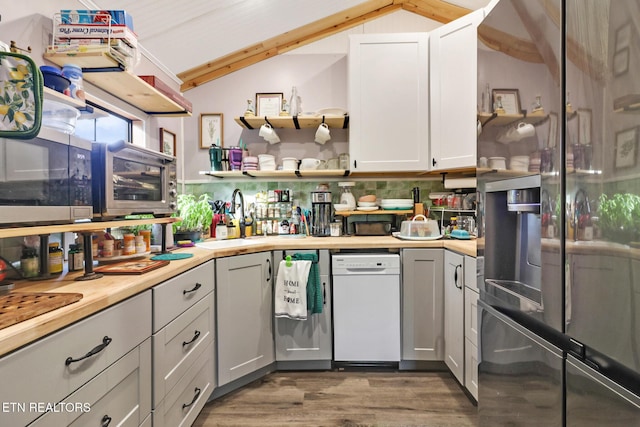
344 398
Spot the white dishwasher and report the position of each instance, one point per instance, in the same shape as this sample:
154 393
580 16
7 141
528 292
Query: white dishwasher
366 307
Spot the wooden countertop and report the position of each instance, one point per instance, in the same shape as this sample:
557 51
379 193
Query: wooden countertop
110 289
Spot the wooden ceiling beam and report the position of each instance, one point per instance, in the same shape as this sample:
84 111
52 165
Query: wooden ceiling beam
433 9
508 44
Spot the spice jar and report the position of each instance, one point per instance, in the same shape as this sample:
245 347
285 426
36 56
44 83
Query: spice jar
129 247
29 262
76 258
141 246
55 258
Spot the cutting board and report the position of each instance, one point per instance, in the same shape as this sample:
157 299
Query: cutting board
131 267
19 306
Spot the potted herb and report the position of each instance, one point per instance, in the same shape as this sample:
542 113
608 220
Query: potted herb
196 216
619 217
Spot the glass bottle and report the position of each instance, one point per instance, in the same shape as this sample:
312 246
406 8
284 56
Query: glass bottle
55 258
250 111
29 262
295 102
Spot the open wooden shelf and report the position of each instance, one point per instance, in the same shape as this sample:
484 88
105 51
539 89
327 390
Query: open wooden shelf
500 120
80 227
289 122
61 97
627 104
321 173
378 212
98 69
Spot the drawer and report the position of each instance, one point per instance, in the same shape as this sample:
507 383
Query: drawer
471 272
184 402
471 368
173 297
119 394
178 345
39 373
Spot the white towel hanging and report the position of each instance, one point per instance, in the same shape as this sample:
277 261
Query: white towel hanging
291 289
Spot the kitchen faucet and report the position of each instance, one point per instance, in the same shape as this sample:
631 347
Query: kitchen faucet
232 210
582 213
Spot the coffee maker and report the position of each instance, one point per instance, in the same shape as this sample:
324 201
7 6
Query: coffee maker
321 215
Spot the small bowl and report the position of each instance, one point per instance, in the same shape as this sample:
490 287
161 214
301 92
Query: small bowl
367 204
340 207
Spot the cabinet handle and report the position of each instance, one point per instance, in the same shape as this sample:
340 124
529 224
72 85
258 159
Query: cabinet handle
105 421
195 397
95 350
195 288
455 276
268 269
433 161
195 337
355 164
324 293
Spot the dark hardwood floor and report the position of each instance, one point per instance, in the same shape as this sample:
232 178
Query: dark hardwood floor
344 398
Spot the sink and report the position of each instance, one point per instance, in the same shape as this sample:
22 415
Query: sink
231 243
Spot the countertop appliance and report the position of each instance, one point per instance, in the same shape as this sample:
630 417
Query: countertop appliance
558 311
366 308
46 179
129 179
321 214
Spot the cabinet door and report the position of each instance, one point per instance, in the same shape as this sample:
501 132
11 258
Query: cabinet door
454 313
310 339
453 87
422 304
245 315
388 102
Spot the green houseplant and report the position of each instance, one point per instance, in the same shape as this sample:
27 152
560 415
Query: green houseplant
619 217
195 215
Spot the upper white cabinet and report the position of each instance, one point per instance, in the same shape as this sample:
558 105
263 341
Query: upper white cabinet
453 86
389 102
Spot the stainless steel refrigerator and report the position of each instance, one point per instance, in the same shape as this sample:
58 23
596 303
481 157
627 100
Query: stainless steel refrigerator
559 309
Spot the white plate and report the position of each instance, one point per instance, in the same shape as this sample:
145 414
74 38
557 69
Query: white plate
416 238
331 112
397 201
367 208
367 204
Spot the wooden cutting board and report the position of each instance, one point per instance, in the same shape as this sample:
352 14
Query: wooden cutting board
19 306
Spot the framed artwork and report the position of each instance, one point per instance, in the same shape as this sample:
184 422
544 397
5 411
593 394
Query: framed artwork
210 129
626 147
623 37
553 130
507 100
168 142
268 104
584 126
621 62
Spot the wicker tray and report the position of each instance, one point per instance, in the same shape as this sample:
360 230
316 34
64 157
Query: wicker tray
19 306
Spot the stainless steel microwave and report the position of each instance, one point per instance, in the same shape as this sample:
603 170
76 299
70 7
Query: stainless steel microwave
46 179
129 179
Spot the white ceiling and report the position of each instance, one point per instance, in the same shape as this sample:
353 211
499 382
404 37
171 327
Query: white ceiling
183 35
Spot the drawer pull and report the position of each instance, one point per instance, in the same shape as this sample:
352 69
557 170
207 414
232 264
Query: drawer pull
186 405
95 350
195 337
106 420
455 276
195 288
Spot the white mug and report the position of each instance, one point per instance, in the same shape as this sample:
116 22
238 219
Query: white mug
323 134
525 130
289 163
310 163
266 131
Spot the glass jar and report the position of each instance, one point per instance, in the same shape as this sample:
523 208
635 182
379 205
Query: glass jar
129 247
29 262
55 258
76 258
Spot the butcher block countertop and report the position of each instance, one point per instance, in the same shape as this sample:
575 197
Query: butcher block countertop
110 289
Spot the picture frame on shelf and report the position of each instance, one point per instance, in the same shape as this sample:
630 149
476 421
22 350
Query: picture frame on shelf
268 104
211 129
584 126
168 142
621 62
507 100
626 148
552 139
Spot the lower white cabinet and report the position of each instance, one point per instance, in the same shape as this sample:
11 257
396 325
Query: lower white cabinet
454 313
56 366
422 304
471 341
311 339
118 396
244 306
183 346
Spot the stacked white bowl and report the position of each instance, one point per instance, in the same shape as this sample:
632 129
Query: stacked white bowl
267 162
519 163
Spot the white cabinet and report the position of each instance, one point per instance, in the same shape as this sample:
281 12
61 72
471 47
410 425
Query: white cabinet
244 306
307 340
471 277
52 368
453 87
422 304
454 313
389 102
183 351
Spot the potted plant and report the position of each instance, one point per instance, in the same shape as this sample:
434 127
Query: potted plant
619 217
195 215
